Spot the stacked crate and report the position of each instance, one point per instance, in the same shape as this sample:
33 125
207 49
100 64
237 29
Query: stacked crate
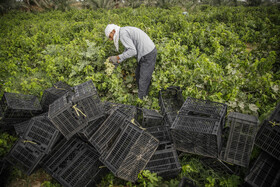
51 94
70 114
16 107
243 129
198 127
124 146
165 160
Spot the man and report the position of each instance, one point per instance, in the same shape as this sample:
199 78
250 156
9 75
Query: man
136 43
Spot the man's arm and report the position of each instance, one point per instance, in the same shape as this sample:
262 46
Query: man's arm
129 46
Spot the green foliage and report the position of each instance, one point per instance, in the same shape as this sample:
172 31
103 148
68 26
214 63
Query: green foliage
225 54
6 142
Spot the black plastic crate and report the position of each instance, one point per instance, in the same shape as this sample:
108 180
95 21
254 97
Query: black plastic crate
197 135
90 129
20 128
162 133
129 110
66 116
106 135
25 156
16 107
87 101
51 94
74 163
149 118
203 108
130 153
219 166
186 182
42 132
268 139
243 129
265 172
170 101
165 162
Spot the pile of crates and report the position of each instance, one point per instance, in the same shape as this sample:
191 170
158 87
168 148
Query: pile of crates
78 139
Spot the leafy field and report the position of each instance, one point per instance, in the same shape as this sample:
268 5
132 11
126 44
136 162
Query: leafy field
225 54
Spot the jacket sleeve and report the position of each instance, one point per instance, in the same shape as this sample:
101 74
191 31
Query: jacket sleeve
130 49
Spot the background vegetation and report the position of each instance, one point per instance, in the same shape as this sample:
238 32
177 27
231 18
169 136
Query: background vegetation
228 54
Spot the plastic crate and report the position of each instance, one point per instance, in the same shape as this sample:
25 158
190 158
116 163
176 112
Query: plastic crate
218 165
25 156
170 101
74 163
51 94
16 107
165 162
268 139
197 135
130 153
129 110
149 118
186 182
86 99
243 129
265 172
106 135
42 132
65 118
90 129
162 133
204 108
20 128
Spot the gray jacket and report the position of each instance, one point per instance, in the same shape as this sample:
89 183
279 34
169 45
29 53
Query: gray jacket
136 42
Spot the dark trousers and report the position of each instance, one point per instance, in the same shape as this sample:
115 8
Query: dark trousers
144 72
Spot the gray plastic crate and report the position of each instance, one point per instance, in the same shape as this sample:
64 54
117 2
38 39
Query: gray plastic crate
243 129
149 118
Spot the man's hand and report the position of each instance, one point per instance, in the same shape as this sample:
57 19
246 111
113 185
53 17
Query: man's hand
114 60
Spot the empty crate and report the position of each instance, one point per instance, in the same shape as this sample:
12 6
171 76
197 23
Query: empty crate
165 162
74 163
131 152
149 118
25 156
20 128
268 139
16 107
125 148
42 133
243 129
129 110
265 172
87 102
162 133
65 117
170 101
51 94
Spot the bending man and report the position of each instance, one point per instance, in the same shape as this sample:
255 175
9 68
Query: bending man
136 43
